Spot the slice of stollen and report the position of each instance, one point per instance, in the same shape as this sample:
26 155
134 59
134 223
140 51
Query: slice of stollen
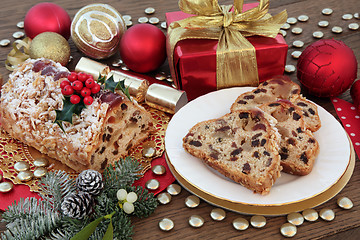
298 147
242 145
279 87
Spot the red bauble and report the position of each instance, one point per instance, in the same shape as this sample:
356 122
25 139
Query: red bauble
327 68
143 48
47 17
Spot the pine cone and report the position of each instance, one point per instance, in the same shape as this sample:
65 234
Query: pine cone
90 181
77 205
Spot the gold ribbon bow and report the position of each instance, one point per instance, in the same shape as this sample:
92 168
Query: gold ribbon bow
16 56
235 56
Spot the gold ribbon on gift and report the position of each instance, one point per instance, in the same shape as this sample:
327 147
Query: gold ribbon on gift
16 56
235 56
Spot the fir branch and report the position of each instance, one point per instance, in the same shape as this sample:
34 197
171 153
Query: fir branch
55 186
123 173
30 219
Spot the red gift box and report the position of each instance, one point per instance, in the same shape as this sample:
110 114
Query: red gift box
195 59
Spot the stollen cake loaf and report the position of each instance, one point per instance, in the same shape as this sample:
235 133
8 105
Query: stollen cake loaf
104 131
279 87
298 147
242 145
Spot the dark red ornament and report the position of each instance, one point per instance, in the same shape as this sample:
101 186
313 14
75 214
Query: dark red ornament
47 17
327 68
143 48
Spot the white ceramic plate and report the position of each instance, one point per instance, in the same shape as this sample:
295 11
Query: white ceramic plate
330 164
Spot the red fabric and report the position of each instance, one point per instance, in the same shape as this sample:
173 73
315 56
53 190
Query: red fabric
23 191
350 118
165 180
195 59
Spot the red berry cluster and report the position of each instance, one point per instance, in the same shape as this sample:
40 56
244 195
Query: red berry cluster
79 85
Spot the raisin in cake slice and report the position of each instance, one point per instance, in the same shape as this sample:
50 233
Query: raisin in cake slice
309 112
298 146
242 145
280 87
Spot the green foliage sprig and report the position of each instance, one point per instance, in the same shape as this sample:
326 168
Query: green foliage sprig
31 218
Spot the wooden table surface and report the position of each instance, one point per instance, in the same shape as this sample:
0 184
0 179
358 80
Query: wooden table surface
347 222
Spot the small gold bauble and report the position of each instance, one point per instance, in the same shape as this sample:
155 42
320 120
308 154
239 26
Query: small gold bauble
296 54
323 24
290 68
52 46
18 35
164 25
164 198
150 10
196 221
160 76
283 32
218 214
25 176
174 189
318 34
291 20
41 162
345 203
40 172
127 17
353 26
20 24
148 152
327 214
6 187
97 29
288 230
310 215
258 221
336 29
152 184
295 218
327 11
296 30
166 224
240 223
192 201
285 26
303 18
4 42
154 20
158 169
347 16
21 166
298 44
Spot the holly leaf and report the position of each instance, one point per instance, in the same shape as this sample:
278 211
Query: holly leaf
101 79
68 111
112 86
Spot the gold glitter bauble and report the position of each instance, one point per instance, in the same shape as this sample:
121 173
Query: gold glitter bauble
52 46
97 29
